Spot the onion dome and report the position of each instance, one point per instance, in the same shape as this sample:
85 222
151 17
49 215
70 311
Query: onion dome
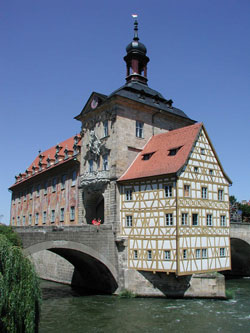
136 59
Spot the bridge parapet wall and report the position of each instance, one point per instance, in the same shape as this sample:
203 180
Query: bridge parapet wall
101 239
240 230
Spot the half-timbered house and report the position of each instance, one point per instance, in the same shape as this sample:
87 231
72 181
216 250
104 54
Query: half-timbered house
175 205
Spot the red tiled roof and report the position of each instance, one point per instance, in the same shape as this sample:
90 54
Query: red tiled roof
160 162
49 153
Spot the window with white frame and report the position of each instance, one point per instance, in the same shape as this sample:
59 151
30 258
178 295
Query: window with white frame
204 192
195 219
186 190
168 191
23 220
105 162
139 129
222 252
54 181
72 213
30 219
211 172
44 217
197 253
223 220
91 165
18 220
184 254
73 183
184 219
52 216
36 218
31 192
63 181
129 221
169 219
204 253
129 195
220 195
202 151
209 220
62 215
105 128
167 255
38 190
149 254
13 220
135 254
196 169
45 188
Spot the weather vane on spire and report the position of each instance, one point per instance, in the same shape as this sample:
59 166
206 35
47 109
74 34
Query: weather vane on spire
135 27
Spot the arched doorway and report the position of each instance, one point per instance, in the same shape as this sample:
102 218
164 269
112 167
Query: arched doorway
94 207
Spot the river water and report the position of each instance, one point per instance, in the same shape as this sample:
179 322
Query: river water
64 311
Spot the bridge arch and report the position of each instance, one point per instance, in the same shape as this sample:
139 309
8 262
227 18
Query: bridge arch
98 275
240 257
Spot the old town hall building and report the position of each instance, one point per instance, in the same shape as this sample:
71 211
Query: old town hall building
141 165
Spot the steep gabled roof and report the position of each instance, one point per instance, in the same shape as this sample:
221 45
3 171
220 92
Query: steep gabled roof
46 160
156 158
167 153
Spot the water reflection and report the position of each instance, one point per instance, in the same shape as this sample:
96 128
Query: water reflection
64 311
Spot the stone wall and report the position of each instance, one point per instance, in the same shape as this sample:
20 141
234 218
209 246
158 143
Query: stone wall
52 267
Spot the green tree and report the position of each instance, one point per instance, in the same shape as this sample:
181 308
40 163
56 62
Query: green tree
19 291
11 235
232 199
245 212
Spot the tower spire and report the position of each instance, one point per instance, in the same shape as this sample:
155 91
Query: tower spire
136 38
136 58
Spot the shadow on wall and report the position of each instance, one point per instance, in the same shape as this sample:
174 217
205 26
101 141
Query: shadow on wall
170 285
240 253
90 275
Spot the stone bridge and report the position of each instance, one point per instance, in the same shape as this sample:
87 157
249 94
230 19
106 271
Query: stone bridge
93 253
91 250
240 249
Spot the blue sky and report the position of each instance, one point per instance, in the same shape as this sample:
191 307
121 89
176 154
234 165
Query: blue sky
54 53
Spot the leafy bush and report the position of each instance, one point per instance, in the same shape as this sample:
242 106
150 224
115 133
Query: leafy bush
19 291
11 235
125 293
230 294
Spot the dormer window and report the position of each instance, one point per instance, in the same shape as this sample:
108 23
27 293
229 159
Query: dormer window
33 170
56 158
76 140
40 158
66 154
156 99
58 149
75 150
146 157
173 151
48 162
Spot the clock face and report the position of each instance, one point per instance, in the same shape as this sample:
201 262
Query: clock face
94 103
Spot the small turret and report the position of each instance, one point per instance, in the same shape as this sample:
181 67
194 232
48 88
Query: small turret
136 58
